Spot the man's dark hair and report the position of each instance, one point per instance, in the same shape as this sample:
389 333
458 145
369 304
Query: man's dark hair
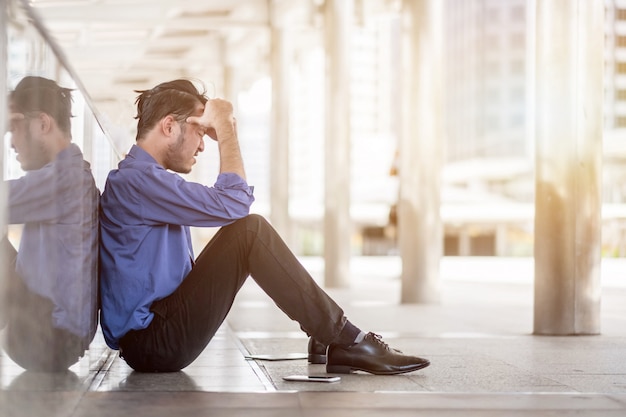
178 97
37 94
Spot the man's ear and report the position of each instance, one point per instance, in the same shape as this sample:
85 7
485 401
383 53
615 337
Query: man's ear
167 125
45 122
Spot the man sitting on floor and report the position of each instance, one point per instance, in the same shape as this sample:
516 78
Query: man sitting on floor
160 306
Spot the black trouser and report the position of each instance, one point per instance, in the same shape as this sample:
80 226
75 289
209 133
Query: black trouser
31 340
187 320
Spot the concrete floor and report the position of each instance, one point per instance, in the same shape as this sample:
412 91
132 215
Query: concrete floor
484 360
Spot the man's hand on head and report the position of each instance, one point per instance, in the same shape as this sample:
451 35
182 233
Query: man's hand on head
218 122
217 114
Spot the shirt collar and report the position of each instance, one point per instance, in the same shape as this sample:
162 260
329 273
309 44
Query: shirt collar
70 152
139 154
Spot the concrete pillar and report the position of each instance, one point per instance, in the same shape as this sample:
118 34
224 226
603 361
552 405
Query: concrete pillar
465 245
420 231
337 227
231 85
500 234
279 135
568 123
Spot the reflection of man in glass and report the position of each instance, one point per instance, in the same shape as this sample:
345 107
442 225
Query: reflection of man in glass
49 304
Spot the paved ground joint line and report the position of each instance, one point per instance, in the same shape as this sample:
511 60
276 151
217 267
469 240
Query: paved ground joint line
105 361
260 373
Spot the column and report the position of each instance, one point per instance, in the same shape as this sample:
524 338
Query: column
279 135
337 227
420 232
568 128
231 85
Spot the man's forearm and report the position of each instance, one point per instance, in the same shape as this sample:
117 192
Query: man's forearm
230 153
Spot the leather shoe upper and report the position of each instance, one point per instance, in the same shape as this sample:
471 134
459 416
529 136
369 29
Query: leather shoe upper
317 352
371 355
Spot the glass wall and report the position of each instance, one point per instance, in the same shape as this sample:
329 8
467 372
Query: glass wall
54 160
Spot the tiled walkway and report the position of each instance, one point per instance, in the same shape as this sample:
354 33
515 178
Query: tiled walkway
485 362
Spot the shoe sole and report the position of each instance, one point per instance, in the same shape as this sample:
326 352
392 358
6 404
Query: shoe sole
342 369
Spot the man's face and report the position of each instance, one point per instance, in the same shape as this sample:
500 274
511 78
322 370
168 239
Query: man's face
27 141
190 141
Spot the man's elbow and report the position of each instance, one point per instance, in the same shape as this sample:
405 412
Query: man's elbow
238 208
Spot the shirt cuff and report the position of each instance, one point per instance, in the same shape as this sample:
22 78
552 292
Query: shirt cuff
230 180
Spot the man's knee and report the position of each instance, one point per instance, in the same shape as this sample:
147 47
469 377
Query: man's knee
253 221
258 224
256 218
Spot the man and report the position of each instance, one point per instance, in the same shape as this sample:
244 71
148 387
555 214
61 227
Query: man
49 302
160 307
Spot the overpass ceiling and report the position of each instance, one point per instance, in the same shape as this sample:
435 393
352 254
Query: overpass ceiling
116 46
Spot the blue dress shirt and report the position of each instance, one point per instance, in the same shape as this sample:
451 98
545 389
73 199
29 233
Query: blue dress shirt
145 245
58 253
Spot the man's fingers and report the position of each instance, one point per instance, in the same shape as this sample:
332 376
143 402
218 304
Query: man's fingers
204 120
198 120
215 112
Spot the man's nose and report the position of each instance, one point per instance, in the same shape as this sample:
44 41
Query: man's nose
201 145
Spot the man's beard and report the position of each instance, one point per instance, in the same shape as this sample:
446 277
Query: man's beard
174 161
36 156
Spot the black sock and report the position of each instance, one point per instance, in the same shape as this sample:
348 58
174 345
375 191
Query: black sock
348 334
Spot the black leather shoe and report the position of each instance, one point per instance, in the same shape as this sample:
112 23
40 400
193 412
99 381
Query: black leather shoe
371 355
317 352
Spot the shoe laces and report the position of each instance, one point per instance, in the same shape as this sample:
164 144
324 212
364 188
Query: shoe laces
378 339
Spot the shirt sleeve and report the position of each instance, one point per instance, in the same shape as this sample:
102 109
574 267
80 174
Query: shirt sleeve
165 197
34 197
